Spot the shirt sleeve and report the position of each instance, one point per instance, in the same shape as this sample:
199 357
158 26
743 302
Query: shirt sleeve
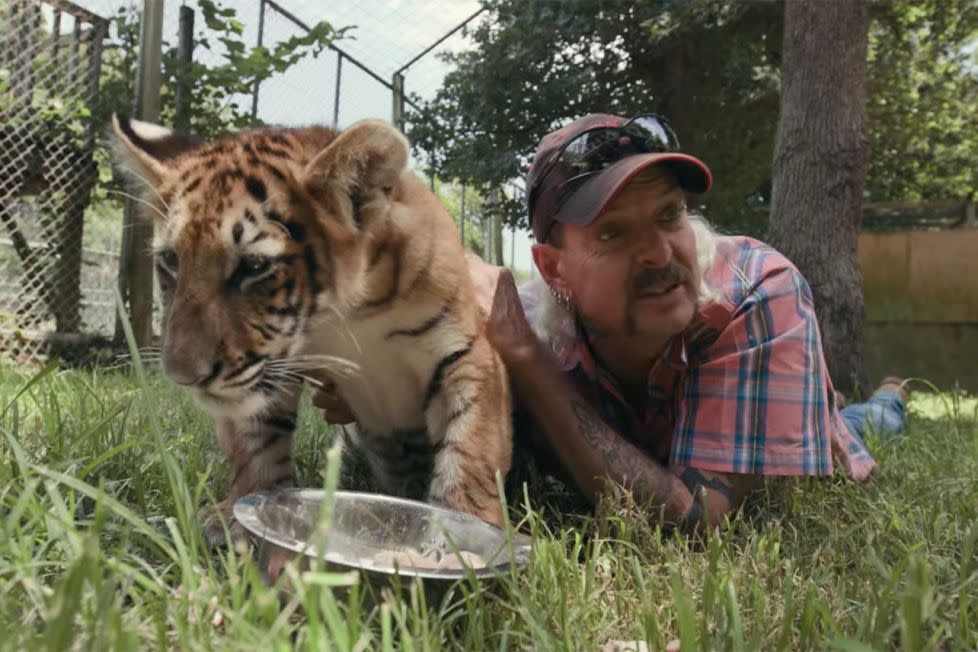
758 399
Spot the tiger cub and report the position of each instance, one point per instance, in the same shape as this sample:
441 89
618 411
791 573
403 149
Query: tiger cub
288 253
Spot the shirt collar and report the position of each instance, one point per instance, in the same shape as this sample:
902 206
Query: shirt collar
674 356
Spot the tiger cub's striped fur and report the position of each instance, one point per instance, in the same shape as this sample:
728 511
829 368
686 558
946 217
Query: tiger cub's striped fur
283 253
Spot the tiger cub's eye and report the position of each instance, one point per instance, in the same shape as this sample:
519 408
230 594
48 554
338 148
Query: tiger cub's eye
254 265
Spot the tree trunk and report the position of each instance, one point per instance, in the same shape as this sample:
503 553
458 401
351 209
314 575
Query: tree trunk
820 161
675 96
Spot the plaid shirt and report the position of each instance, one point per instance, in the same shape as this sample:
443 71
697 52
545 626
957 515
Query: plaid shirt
744 389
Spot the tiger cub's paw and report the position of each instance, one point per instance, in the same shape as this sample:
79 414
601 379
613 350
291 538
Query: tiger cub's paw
220 527
482 505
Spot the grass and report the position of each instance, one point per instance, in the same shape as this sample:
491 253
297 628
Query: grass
99 549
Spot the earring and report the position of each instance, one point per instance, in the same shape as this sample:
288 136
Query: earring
562 298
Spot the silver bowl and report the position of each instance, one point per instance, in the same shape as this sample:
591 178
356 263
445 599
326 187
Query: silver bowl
365 525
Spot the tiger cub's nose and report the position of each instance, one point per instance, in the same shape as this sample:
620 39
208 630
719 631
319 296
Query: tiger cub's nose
188 370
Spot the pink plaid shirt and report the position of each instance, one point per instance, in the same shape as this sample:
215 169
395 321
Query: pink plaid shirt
744 389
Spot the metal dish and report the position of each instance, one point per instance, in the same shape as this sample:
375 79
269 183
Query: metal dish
365 525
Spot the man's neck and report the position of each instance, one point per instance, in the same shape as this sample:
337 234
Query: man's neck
628 358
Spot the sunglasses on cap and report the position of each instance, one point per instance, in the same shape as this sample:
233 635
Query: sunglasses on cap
590 152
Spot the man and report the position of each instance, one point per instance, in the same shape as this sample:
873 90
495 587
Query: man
654 353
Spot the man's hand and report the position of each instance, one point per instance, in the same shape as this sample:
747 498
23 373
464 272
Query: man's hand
714 495
507 329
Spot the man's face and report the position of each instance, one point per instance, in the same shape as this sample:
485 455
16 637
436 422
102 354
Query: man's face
633 271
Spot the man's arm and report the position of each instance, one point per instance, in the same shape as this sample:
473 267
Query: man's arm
592 452
586 446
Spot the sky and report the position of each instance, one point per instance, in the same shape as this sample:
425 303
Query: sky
384 35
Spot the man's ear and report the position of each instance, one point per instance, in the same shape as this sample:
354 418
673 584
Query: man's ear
145 150
359 168
547 259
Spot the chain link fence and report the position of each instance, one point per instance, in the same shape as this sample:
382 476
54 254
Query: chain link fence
50 285
61 226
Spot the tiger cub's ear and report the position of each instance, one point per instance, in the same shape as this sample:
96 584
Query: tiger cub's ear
145 149
359 168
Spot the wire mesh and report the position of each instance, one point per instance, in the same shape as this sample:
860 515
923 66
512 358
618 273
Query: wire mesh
305 93
390 47
50 53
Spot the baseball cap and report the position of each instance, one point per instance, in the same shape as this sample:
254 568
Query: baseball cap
579 169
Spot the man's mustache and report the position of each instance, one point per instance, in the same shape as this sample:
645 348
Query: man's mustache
648 276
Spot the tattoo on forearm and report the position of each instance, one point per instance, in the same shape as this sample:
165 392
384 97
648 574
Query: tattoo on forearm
593 430
622 458
646 479
695 481
698 485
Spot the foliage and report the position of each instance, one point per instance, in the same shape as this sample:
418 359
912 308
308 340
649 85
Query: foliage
476 215
713 68
221 76
42 91
223 72
923 91
537 64
99 549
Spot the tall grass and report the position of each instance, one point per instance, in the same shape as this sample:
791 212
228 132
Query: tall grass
101 474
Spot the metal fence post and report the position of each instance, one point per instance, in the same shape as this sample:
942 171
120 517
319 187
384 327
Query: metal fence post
461 219
336 99
497 237
487 233
512 248
397 82
140 263
185 54
261 38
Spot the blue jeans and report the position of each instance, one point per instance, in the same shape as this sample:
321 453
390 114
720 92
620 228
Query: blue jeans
884 413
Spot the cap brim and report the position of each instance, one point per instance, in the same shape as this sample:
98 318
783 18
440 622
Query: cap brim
590 200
